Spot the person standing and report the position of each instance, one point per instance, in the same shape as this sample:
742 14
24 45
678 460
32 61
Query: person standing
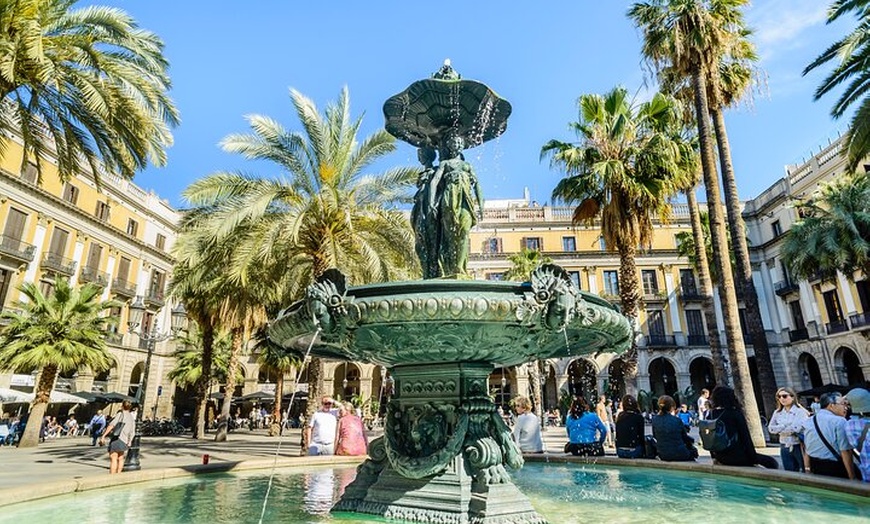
319 435
787 422
527 428
350 435
702 404
586 431
629 429
741 452
828 449
858 428
601 411
118 445
672 439
97 425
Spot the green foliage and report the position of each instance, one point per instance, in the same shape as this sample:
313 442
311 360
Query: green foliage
83 85
188 359
834 233
851 56
686 247
65 330
523 263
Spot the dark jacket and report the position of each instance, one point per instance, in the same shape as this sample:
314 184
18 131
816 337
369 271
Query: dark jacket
672 441
629 430
742 452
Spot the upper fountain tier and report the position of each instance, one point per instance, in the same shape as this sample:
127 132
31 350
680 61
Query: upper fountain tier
425 112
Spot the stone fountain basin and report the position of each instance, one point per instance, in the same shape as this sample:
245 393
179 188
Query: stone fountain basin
438 321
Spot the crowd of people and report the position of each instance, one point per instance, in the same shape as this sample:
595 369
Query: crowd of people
831 441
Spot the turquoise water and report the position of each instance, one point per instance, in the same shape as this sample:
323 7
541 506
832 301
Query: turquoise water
561 493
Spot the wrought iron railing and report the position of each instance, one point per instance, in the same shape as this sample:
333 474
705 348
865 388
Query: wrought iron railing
16 248
58 264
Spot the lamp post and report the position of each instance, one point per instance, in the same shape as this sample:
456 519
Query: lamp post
178 324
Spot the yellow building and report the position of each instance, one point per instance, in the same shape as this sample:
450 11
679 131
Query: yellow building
117 236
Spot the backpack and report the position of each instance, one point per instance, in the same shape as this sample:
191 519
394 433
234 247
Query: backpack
714 435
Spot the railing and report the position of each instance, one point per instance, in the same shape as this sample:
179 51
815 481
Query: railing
123 287
697 340
691 296
795 335
609 297
99 386
860 320
660 341
94 275
54 262
837 326
16 248
785 287
155 297
658 296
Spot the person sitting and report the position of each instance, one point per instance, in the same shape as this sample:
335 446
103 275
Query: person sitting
684 416
672 440
741 452
70 427
629 430
586 432
527 428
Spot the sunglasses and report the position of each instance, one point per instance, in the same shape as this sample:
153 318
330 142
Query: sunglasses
783 395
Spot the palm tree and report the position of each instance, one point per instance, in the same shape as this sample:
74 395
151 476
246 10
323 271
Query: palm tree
323 212
189 362
625 170
688 36
852 53
834 231
83 85
59 333
523 263
272 358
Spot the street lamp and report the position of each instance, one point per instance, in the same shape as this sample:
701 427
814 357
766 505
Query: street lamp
178 324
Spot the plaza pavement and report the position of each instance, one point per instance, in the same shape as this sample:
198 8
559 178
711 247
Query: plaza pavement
68 465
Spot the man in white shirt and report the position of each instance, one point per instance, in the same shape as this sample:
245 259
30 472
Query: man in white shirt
320 430
827 447
702 403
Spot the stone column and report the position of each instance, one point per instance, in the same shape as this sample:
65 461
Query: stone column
110 269
768 299
77 258
684 380
848 300
673 308
590 277
38 241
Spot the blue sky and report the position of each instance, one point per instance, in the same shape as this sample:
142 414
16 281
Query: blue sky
229 59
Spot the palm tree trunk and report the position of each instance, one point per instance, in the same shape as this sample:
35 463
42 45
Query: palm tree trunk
275 426
629 297
727 297
203 384
232 369
30 437
766 376
535 383
319 265
705 286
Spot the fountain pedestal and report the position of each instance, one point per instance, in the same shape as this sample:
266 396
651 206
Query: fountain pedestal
444 453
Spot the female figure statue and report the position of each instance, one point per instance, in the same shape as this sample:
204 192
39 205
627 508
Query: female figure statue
424 215
460 205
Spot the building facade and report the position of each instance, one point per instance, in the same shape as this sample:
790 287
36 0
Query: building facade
818 330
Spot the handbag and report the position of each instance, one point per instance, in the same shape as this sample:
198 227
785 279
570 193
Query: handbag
714 435
116 430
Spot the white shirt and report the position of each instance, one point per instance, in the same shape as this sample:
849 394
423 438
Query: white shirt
322 426
787 424
527 433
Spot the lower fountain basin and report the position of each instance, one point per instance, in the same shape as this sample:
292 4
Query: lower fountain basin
561 493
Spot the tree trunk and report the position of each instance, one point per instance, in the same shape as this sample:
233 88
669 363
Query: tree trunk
315 386
705 286
232 369
275 426
629 297
203 384
727 295
30 437
535 383
766 376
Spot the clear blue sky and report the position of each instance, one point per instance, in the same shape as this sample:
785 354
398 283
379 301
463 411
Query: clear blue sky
229 59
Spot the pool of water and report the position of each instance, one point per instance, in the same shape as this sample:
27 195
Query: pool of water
561 493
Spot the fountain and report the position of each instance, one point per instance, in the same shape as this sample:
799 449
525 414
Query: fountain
445 453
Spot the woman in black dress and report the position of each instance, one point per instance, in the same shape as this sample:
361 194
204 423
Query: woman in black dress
741 452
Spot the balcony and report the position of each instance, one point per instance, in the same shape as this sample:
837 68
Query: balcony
795 335
610 297
123 288
837 326
658 341
691 295
860 320
658 296
154 297
785 287
58 264
94 276
17 249
697 340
